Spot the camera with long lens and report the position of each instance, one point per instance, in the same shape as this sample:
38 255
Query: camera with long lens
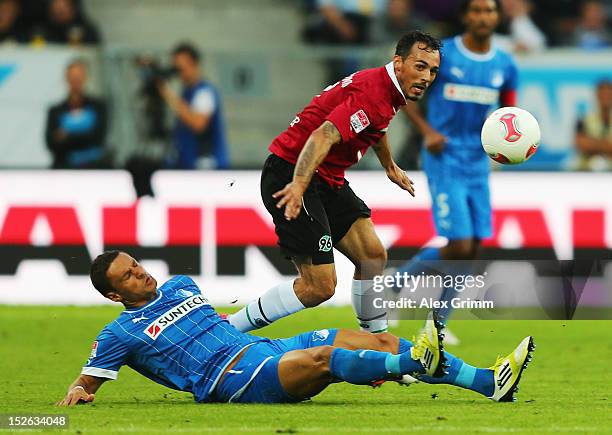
152 73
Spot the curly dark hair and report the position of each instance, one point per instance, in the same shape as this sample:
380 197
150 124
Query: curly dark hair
404 45
97 272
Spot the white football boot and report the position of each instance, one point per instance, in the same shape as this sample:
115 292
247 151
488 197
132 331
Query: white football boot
507 371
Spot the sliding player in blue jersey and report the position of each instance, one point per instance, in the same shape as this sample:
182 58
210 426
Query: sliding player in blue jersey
174 337
474 78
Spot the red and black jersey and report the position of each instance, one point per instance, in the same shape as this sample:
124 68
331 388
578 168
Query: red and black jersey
360 106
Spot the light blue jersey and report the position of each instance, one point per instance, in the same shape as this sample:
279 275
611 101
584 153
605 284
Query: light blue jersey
177 340
468 87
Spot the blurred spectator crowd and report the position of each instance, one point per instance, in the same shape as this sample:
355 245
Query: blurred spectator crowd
77 126
527 25
46 21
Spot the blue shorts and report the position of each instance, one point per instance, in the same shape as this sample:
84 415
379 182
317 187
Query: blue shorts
461 207
254 379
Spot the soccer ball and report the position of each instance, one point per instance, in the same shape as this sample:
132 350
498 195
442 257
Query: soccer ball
510 135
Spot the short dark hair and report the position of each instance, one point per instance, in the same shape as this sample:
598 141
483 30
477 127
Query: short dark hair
188 49
465 5
404 45
603 83
97 272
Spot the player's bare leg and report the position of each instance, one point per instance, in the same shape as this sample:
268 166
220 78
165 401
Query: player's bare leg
306 372
364 249
316 284
384 342
352 340
315 370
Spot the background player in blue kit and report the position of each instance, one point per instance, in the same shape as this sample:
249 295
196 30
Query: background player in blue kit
475 77
174 337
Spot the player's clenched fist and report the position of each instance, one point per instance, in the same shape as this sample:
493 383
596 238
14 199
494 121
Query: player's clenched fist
291 199
76 395
399 177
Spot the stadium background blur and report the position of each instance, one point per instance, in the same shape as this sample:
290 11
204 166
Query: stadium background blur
267 58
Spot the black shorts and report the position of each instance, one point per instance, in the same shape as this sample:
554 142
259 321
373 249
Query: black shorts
326 216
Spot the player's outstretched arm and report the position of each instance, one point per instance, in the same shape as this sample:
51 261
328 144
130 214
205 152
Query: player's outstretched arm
82 390
394 172
312 155
432 139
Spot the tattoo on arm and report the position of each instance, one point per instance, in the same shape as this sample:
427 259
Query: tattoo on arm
383 152
331 132
316 149
305 160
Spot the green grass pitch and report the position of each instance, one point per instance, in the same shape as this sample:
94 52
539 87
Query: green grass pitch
565 389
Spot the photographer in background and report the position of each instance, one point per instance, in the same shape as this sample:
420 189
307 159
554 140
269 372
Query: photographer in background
199 132
76 127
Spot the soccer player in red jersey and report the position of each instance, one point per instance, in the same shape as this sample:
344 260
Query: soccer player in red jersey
312 205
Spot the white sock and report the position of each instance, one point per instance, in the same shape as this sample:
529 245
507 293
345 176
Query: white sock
278 302
370 319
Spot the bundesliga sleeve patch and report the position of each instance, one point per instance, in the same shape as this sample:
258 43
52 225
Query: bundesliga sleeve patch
94 350
359 121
